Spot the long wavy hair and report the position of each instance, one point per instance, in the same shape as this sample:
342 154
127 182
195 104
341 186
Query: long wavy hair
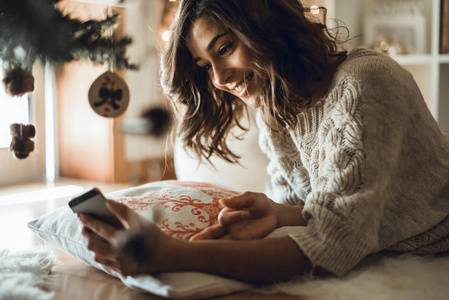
289 50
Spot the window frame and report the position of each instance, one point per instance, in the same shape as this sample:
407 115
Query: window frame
32 168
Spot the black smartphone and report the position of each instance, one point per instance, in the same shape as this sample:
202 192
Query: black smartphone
93 203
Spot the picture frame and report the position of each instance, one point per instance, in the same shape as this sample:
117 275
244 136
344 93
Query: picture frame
444 28
407 29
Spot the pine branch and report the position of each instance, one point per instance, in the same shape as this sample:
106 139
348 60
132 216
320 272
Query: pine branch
38 29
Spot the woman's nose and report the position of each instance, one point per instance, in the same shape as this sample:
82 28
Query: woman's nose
221 76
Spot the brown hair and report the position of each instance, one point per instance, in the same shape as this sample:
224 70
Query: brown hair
289 50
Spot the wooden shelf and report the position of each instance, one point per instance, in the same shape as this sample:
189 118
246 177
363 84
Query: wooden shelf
444 58
414 59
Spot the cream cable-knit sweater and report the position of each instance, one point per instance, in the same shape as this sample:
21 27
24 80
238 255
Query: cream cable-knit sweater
369 164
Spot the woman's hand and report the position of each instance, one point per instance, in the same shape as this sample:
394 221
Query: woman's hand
245 217
131 251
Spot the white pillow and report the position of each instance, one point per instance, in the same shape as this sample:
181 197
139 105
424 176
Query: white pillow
249 175
188 207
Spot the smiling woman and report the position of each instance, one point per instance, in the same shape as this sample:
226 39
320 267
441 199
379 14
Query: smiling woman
226 60
357 171
242 56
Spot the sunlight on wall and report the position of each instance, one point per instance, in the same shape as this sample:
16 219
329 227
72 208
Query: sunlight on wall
45 194
18 235
12 110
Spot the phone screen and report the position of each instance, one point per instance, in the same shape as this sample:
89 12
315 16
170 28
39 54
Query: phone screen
93 203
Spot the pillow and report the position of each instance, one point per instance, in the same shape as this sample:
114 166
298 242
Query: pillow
185 207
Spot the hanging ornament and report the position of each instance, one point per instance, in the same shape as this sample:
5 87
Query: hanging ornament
17 82
38 30
109 95
21 144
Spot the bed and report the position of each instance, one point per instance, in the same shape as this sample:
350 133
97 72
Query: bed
404 277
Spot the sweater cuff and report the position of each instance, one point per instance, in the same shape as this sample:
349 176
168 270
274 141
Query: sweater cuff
284 194
330 245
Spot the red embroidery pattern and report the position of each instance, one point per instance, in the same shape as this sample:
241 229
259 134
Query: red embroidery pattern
183 215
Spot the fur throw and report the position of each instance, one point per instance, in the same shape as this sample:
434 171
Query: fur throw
23 274
402 278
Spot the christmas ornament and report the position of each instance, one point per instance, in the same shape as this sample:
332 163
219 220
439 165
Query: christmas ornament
37 29
109 95
21 144
17 82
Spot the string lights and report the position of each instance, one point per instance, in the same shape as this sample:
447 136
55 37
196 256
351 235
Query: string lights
315 9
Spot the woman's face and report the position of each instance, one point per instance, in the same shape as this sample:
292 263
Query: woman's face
226 60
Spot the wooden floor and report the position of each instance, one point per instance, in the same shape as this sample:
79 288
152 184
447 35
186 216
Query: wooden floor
74 280
22 203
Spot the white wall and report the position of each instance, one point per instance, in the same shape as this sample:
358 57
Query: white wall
142 19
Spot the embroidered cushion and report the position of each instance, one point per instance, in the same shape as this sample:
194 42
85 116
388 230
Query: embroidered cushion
185 208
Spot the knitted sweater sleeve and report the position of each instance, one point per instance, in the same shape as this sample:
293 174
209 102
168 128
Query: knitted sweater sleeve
365 166
370 166
341 229
281 190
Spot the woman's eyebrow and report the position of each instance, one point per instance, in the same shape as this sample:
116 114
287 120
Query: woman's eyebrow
214 40
212 44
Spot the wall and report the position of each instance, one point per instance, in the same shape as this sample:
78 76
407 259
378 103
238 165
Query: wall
93 147
88 145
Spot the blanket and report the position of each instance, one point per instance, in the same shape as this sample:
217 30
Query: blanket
23 274
405 277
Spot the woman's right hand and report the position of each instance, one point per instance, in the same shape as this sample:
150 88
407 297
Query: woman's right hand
244 217
140 248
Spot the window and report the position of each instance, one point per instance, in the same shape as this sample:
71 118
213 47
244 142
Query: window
12 110
28 109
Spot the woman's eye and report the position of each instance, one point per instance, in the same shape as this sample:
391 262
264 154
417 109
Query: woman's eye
206 67
225 48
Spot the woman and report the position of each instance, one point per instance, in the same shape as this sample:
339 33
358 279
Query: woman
358 162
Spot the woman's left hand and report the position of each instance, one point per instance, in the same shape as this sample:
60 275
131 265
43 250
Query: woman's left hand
245 217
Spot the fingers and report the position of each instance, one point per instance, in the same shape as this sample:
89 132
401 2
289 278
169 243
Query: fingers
212 232
118 208
96 243
107 262
127 217
241 201
104 252
227 216
100 228
241 234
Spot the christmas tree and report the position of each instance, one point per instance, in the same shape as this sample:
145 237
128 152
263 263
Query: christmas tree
37 29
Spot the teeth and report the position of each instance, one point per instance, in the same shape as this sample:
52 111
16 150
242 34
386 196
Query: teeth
239 88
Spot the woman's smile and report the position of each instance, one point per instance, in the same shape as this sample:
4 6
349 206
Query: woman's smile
226 60
244 84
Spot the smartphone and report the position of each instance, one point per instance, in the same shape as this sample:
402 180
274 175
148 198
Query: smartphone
93 203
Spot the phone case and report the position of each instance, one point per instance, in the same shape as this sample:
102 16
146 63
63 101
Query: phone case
93 203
